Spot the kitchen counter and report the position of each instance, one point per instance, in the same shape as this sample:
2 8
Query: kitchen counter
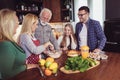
107 70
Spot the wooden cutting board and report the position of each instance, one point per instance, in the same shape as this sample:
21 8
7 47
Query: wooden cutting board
77 71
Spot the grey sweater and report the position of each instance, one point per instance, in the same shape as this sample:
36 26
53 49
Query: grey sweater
45 34
29 47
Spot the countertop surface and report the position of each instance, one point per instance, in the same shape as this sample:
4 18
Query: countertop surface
107 70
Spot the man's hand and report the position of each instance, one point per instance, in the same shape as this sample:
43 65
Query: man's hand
97 50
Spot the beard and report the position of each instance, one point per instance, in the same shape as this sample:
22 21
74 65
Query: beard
43 23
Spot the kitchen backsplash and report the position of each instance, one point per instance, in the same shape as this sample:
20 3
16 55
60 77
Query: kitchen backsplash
57 29
60 26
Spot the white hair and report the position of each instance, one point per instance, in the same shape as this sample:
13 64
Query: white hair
45 10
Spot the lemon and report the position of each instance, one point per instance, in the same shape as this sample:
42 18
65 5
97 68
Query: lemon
47 64
53 66
42 62
50 59
54 70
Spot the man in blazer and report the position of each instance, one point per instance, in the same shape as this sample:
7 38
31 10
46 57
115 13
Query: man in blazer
89 32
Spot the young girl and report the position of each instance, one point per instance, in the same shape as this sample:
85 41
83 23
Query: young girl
28 42
67 41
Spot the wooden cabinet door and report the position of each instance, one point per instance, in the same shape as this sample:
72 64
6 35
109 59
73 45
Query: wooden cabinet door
7 4
55 7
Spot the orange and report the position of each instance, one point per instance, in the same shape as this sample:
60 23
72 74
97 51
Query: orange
50 59
48 72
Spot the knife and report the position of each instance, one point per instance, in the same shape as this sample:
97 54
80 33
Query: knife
41 72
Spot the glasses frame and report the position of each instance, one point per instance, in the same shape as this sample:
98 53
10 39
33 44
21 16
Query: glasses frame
82 14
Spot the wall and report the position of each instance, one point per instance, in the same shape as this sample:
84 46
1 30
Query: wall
57 27
77 5
112 9
97 9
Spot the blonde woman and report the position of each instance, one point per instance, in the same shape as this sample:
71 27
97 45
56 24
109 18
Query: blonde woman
12 56
67 41
28 42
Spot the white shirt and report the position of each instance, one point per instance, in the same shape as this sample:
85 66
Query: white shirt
83 36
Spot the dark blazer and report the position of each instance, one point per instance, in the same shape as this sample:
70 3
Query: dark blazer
95 37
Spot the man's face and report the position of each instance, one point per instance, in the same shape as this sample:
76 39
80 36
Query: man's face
83 16
45 18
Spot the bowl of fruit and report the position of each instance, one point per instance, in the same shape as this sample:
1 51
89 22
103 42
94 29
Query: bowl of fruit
48 66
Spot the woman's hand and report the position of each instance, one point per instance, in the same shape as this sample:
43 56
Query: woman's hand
29 66
47 44
51 47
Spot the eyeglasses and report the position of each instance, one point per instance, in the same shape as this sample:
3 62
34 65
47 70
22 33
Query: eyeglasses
82 14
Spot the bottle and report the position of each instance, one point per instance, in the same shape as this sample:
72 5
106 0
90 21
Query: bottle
33 7
22 7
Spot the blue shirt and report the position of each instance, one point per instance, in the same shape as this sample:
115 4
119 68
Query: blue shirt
95 36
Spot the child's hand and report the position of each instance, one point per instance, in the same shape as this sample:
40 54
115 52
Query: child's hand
65 48
71 36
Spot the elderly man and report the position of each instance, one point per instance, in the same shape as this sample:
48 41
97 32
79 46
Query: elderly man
44 32
89 32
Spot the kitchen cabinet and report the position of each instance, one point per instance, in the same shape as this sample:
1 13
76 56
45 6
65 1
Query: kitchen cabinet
23 7
62 10
112 31
54 6
67 9
7 4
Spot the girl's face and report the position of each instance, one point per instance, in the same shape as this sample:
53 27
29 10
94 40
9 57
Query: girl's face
67 31
35 25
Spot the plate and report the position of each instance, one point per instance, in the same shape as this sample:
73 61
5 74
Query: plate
98 56
77 71
55 54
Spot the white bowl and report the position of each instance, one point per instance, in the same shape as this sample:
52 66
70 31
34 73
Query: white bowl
55 54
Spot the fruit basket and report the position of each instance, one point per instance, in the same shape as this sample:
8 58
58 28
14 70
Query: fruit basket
48 66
